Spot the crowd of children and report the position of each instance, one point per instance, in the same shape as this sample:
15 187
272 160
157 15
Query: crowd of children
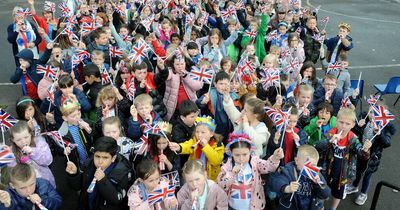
131 104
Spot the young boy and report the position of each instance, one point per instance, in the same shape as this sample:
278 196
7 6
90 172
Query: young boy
93 84
306 191
100 43
194 53
343 81
293 138
25 191
340 148
98 58
330 93
320 124
302 101
340 44
141 113
311 46
213 103
111 172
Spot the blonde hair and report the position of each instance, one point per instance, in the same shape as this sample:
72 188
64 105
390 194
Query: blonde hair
106 92
308 151
346 113
113 121
193 166
143 99
98 52
271 58
305 88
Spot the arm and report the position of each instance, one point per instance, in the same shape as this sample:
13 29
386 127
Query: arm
113 191
45 57
12 35
16 76
85 104
232 112
225 178
41 154
118 39
241 14
263 26
38 37
259 135
186 147
50 199
234 35
214 155
384 139
267 166
158 49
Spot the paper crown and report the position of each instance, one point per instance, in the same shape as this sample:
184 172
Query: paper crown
239 137
69 106
166 127
208 121
345 25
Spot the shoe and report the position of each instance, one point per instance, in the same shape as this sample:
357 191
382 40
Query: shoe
351 189
360 200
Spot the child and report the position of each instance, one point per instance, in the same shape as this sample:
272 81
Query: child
307 192
205 146
249 121
31 150
341 147
308 74
366 167
194 53
293 138
26 191
183 129
328 92
98 58
303 102
282 35
320 124
148 180
343 81
243 170
100 43
141 113
93 84
112 128
311 46
227 66
111 172
216 47
199 192
340 44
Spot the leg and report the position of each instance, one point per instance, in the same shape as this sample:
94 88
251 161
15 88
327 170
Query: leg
366 182
335 203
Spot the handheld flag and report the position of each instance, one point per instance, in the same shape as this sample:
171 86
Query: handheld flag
6 120
64 9
346 103
202 74
6 156
278 116
115 52
381 116
334 68
159 195
309 171
48 71
131 89
139 51
172 177
49 6
270 78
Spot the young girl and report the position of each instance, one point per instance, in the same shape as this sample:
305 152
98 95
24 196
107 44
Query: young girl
31 150
148 180
112 128
243 169
303 101
28 111
110 103
205 146
200 192
249 121
227 65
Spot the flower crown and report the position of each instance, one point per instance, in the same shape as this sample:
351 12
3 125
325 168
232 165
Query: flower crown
345 25
239 137
208 121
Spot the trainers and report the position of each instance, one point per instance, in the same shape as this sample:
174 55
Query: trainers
351 189
360 200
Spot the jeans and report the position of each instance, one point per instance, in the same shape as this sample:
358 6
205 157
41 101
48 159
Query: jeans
362 172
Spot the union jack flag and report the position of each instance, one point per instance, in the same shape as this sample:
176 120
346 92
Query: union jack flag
141 147
6 156
226 14
6 120
204 18
50 93
155 129
325 20
190 18
285 53
75 61
68 31
319 38
202 74
293 66
172 177
55 135
159 195
131 89
246 67
250 33
115 52
64 9
88 27
242 190
278 116
71 20
24 12
127 38
293 3
240 5
147 22
272 35
179 51
381 116
119 8
82 54
334 68
139 51
48 71
105 77
270 78
309 171
346 103
372 99
49 6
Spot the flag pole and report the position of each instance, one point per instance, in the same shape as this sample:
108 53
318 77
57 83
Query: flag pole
2 134
359 79
298 179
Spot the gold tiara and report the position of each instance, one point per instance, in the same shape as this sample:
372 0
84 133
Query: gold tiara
345 25
68 105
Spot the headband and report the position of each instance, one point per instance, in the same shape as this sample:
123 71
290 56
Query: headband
25 100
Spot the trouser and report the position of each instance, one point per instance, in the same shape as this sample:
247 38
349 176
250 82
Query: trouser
363 173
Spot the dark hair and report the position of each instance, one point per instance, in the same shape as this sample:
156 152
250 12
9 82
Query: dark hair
240 144
291 36
91 69
65 81
106 144
23 103
221 76
153 146
244 98
293 110
192 46
175 35
325 105
124 26
140 66
306 65
146 168
98 32
187 107
21 172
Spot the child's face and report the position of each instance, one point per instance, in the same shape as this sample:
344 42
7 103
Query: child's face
285 83
193 52
343 32
231 27
248 111
329 84
73 118
25 189
282 29
324 115
222 86
123 31
307 73
344 124
98 60
294 42
226 67
152 181
214 39
144 110
99 20
305 98
146 11
24 63
196 181
268 64
301 159
179 65
166 28
203 132
48 15
56 54
103 159
292 121
311 24
140 74
112 130
190 119
250 49
102 40
162 143
22 138
108 102
29 112
175 40
89 79
345 64
254 25
241 155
